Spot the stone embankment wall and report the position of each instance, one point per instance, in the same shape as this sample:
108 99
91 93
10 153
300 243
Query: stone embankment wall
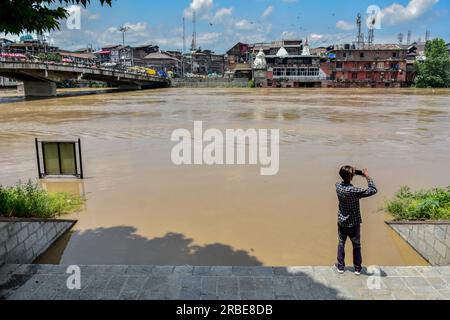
23 240
430 239
209 83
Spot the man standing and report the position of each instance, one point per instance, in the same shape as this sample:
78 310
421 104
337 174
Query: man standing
349 215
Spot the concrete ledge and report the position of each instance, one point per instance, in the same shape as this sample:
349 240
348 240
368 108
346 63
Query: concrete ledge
23 240
431 239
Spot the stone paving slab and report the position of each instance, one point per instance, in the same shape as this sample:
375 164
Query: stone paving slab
49 282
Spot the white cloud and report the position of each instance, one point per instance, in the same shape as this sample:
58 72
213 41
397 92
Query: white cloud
267 12
201 8
289 35
221 14
397 13
345 25
315 37
244 25
208 38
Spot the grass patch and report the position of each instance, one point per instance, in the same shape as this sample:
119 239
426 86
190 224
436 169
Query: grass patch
423 205
29 200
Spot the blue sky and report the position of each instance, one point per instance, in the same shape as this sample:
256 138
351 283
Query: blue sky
221 23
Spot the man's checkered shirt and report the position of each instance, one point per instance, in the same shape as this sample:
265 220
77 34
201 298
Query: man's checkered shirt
349 214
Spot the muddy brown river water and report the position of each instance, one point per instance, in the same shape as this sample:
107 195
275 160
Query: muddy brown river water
142 209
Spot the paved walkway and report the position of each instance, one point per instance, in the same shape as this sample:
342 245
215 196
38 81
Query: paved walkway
39 282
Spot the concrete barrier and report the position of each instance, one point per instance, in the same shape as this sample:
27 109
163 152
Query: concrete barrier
430 239
24 240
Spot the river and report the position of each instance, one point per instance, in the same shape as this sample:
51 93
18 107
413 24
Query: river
142 209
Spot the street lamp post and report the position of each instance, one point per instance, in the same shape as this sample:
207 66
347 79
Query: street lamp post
123 29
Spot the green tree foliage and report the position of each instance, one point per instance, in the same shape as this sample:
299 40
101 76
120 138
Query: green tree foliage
18 16
434 72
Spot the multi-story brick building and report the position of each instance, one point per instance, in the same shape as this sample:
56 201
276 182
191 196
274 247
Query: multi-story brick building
376 66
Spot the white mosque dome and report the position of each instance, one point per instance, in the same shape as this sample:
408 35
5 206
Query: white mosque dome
282 53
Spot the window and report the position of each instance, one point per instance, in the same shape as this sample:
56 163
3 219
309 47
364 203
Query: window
339 65
345 54
59 159
354 76
394 55
361 55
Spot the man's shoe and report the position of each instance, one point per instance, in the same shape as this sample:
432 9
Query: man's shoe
339 269
358 271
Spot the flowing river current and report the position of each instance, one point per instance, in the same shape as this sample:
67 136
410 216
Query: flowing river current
142 209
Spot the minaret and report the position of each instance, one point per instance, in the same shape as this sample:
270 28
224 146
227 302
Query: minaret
306 51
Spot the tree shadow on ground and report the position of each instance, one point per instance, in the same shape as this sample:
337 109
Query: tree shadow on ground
122 245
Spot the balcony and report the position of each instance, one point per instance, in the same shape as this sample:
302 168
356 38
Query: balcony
300 78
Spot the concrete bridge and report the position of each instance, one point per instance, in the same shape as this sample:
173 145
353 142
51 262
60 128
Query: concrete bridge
39 78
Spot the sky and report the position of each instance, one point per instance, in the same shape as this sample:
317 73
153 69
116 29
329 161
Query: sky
222 23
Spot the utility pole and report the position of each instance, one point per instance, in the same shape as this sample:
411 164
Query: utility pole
371 36
408 41
194 32
427 36
123 29
360 36
184 47
184 34
400 38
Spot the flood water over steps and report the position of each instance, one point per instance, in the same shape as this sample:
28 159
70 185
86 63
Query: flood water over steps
142 209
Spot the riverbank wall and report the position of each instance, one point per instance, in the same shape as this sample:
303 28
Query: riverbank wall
430 239
23 240
209 83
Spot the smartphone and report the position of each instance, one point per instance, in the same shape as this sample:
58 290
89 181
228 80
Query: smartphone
359 173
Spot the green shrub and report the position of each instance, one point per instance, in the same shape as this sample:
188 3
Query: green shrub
431 204
29 200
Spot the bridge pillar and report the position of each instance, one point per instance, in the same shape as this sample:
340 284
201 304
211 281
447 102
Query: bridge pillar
37 89
130 86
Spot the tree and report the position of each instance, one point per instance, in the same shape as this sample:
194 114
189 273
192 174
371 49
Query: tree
18 16
434 72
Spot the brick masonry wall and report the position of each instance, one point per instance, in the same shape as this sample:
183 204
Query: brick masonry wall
430 239
23 240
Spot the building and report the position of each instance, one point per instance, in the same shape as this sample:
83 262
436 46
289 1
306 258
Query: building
205 62
140 52
78 58
163 61
32 47
238 54
376 66
115 55
5 43
291 67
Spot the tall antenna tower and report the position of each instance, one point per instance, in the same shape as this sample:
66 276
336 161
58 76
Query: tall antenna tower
184 34
194 32
371 36
427 36
408 41
360 36
400 38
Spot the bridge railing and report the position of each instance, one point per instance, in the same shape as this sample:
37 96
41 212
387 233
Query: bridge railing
21 60
22 56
